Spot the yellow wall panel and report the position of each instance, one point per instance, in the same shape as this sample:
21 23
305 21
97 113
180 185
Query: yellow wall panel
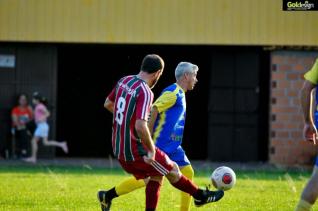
223 22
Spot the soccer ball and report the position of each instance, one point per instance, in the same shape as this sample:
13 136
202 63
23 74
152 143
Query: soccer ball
223 178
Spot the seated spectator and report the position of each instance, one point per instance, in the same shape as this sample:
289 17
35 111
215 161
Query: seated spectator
41 114
21 115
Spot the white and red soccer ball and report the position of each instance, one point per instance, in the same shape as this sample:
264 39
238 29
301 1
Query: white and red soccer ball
223 178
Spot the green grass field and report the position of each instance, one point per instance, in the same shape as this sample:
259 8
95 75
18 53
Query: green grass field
74 188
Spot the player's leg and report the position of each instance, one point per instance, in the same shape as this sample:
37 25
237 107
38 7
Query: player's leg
38 134
171 171
184 164
138 169
126 186
153 192
130 184
34 150
62 145
188 172
34 144
310 192
182 183
44 130
201 197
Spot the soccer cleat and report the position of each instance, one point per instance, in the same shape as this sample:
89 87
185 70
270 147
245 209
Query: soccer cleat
104 202
208 197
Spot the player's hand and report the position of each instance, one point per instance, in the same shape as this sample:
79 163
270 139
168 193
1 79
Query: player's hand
310 133
150 158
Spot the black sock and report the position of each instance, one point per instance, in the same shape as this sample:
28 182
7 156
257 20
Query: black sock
111 194
149 209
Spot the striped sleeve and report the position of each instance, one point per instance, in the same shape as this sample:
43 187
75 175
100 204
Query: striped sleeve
312 74
144 102
112 95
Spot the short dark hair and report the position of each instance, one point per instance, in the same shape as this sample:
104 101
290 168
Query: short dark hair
152 63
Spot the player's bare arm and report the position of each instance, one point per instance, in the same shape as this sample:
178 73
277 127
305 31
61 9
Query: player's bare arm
305 104
144 133
152 119
109 105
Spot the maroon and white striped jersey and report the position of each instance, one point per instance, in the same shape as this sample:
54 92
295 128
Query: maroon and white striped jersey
132 99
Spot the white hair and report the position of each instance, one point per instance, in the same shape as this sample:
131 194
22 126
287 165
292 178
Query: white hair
185 67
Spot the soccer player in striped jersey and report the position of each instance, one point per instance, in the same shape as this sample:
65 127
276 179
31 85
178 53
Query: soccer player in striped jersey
134 149
310 192
167 120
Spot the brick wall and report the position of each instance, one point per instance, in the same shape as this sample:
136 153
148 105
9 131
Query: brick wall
287 146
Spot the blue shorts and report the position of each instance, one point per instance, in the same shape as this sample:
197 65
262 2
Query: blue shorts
316 164
42 130
179 157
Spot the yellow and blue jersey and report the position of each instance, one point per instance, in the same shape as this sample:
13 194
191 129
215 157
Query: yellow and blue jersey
169 125
312 76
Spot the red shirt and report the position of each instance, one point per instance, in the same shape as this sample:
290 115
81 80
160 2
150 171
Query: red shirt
23 115
132 99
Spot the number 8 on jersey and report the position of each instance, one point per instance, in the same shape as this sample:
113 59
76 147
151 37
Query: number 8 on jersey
120 109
